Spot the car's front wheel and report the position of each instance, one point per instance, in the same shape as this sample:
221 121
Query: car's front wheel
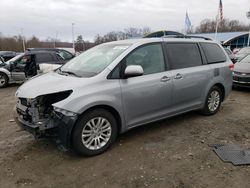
213 101
3 80
94 133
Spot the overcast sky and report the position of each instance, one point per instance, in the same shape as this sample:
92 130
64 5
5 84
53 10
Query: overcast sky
44 17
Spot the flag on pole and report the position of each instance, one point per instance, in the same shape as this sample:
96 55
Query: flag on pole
221 10
187 23
218 20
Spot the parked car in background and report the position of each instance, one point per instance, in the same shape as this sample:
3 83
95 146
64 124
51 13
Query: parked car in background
116 86
241 74
1 60
231 55
7 55
26 65
243 52
235 50
70 50
64 53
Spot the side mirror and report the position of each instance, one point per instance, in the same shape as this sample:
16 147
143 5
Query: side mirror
133 71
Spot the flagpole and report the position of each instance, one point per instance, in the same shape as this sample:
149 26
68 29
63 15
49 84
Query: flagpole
185 27
217 24
248 41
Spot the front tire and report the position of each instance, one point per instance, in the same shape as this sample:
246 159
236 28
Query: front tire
94 133
3 80
213 101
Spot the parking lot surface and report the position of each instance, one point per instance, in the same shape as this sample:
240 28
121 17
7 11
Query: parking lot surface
170 153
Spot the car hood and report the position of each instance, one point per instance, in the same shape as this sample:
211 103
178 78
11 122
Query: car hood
50 83
242 67
240 56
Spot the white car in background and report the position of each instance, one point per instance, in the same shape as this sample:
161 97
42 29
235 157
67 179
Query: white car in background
27 65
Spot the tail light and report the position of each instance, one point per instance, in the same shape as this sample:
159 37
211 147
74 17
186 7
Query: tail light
231 66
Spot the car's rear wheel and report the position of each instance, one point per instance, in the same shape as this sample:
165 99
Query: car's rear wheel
213 101
3 80
94 133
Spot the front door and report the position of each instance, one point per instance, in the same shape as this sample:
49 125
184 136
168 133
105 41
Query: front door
148 97
19 68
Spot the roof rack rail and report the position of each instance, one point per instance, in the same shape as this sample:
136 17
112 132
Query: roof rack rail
186 37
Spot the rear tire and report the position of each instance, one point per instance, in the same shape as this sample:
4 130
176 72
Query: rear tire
213 101
3 80
94 133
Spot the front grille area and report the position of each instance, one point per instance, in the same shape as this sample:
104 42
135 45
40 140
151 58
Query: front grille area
241 73
24 115
23 112
241 79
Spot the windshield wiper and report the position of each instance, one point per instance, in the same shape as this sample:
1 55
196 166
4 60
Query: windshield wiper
69 72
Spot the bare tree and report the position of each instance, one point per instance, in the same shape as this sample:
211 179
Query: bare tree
226 25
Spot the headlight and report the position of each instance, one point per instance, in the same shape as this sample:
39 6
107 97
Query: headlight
64 112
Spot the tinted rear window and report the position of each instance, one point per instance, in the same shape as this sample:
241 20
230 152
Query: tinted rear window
213 53
183 55
44 57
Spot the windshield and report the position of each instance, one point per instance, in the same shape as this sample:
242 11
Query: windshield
94 61
246 59
14 58
244 51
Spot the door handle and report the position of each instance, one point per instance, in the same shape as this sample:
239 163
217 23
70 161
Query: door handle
165 78
178 76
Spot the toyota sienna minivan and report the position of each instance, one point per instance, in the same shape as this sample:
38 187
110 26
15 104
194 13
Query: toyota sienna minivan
116 86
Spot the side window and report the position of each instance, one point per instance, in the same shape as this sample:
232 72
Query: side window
150 57
59 57
24 60
65 55
213 53
44 58
183 55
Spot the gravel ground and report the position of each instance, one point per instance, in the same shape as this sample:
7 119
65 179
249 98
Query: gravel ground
170 153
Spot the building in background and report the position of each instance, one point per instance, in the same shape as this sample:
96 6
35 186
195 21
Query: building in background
229 39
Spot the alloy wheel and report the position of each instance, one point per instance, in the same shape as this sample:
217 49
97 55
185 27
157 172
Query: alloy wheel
214 101
96 133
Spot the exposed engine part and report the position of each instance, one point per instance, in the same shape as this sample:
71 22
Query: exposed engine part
39 111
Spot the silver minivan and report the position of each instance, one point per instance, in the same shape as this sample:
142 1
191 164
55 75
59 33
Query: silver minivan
116 86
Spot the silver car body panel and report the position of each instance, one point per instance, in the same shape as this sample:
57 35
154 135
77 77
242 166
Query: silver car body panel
137 100
5 71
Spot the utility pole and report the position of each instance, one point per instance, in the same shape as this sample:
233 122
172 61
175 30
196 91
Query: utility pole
83 45
55 39
73 37
248 16
23 39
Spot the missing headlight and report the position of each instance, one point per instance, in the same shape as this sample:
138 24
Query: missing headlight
46 101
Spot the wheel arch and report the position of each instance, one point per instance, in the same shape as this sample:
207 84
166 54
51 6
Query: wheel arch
222 88
7 76
109 108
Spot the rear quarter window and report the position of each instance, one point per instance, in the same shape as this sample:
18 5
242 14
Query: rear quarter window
213 53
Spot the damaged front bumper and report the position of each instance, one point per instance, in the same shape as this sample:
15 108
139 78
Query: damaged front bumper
59 126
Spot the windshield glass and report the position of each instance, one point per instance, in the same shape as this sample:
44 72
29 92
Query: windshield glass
94 61
14 58
245 59
244 51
